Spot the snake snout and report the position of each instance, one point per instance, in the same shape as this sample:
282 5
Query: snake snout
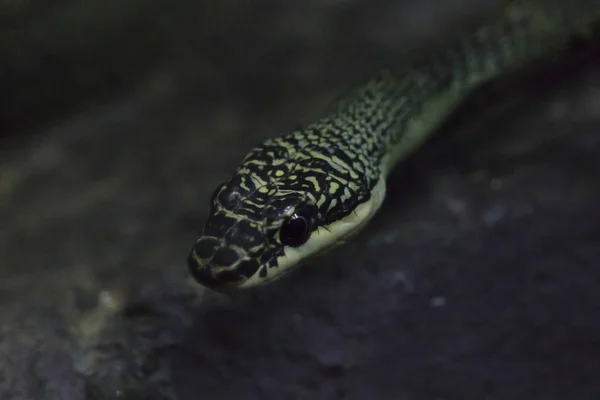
202 272
215 264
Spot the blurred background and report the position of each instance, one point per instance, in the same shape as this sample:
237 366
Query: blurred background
477 280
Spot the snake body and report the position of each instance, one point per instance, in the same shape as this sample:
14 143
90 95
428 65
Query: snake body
295 196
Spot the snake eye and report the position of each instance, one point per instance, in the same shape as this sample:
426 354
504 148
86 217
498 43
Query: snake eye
296 230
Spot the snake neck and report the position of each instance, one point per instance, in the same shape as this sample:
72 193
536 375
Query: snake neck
392 113
338 161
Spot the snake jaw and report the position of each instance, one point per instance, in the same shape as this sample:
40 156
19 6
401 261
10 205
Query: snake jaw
216 264
203 275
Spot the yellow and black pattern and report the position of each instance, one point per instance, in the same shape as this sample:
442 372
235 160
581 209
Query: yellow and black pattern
298 195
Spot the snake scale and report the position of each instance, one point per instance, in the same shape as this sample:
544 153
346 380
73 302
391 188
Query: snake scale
296 196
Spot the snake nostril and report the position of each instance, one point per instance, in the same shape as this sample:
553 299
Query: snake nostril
192 262
205 247
225 257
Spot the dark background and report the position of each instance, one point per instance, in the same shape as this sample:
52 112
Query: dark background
478 279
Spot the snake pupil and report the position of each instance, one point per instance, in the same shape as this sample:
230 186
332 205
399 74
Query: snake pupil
295 231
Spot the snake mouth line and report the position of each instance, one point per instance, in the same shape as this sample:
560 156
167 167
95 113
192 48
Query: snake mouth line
225 278
201 274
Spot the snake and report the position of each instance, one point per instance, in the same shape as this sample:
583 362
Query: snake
301 194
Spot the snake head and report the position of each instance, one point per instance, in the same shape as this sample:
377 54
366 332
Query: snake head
250 227
257 233
286 203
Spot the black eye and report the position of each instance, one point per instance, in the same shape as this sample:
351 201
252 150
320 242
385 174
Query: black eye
296 230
